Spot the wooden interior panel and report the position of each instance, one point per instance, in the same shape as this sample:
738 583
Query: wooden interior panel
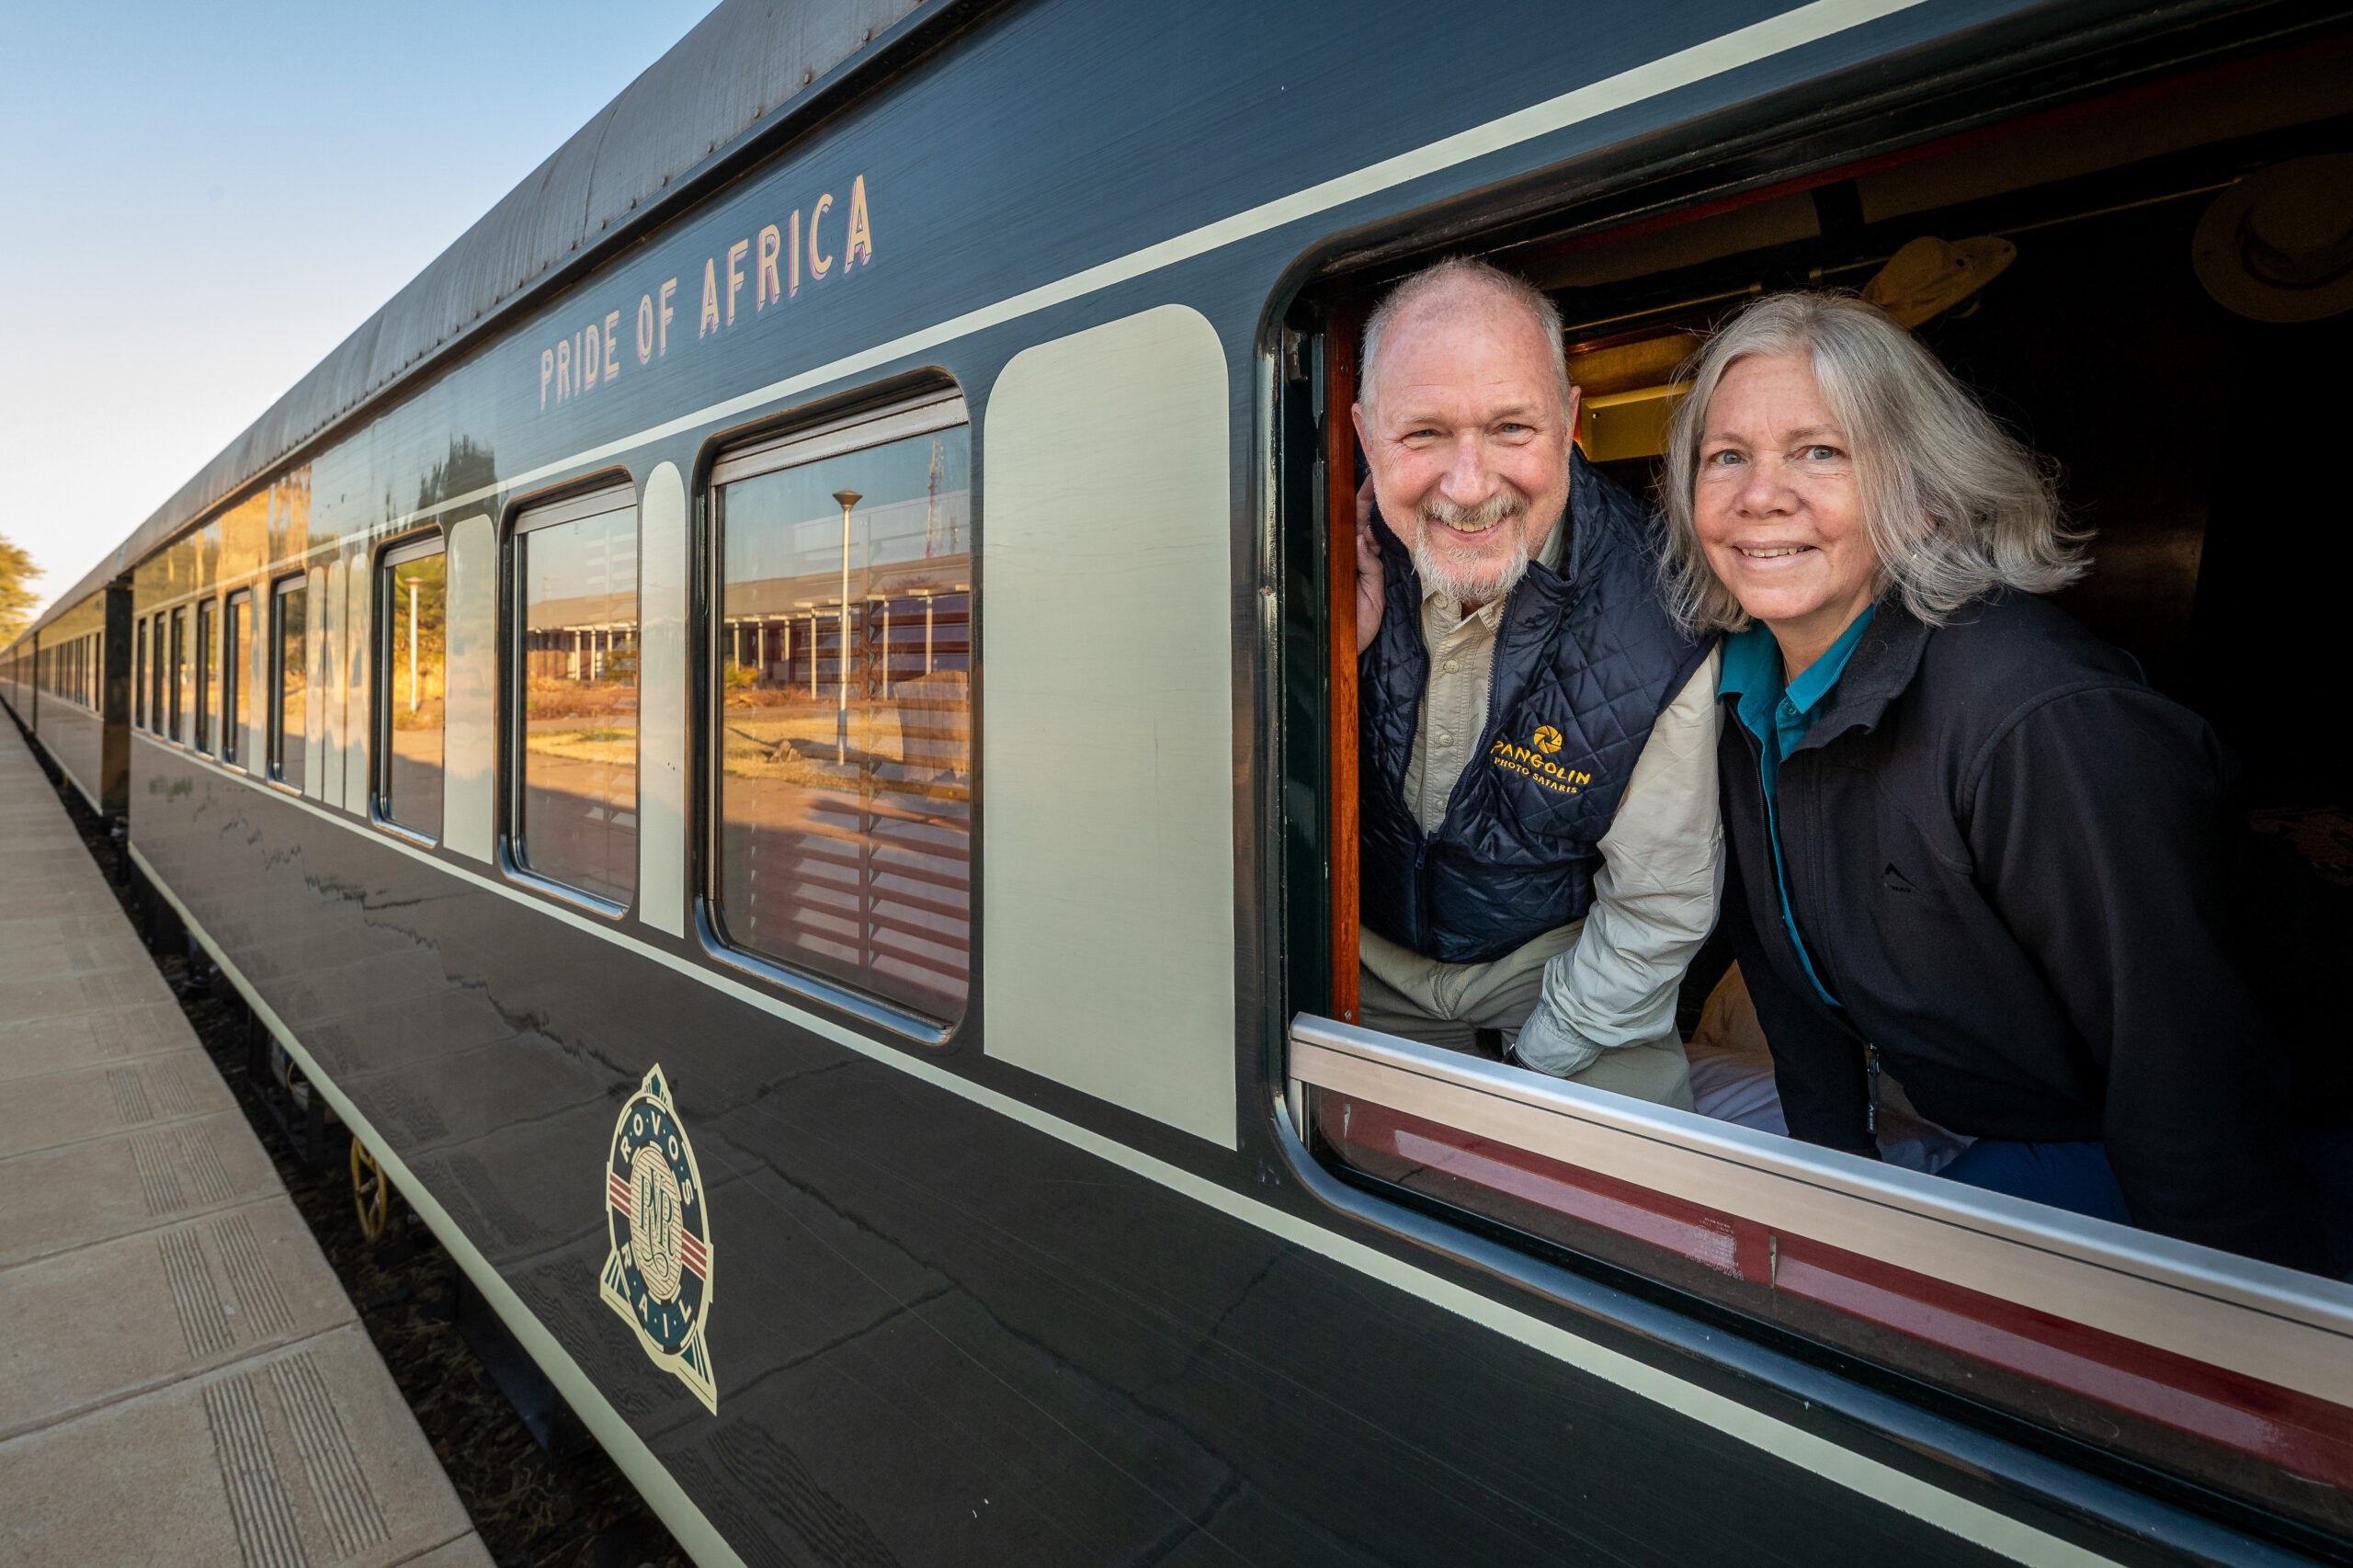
1340 562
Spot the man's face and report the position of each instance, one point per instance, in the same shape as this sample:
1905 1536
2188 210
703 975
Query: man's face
1467 438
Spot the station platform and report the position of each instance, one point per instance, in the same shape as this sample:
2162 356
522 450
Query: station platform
182 1378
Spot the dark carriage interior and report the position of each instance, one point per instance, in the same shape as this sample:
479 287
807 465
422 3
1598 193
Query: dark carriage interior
2191 436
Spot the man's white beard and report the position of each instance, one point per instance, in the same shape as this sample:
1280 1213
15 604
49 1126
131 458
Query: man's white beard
1487 580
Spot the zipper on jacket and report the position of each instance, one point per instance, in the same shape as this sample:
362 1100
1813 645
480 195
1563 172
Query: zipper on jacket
1871 1101
1421 888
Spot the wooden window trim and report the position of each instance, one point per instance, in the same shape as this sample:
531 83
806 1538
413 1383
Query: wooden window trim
1346 318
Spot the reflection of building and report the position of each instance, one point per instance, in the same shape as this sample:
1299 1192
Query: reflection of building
914 620
591 638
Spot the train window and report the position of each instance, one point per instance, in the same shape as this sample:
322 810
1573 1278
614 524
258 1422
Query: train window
411 598
575 749
205 616
177 679
156 670
845 777
289 680
2223 1369
138 674
236 645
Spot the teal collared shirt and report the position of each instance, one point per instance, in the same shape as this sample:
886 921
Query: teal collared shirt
1779 718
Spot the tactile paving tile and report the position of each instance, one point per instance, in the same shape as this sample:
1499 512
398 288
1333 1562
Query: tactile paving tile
304 1456
184 1379
126 1315
35 1046
52 1199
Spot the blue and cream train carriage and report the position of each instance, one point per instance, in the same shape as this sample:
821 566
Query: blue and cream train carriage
766 733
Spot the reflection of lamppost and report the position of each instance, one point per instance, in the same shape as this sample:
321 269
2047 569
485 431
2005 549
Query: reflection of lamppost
848 498
411 583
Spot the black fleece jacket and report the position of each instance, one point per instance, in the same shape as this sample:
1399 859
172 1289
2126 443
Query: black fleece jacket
2004 850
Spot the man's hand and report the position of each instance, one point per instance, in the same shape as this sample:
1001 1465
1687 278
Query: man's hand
1370 582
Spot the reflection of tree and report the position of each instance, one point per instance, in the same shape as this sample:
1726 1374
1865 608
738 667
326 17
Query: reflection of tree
467 468
416 688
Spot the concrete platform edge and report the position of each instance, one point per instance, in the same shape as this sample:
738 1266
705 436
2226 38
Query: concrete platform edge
647 1474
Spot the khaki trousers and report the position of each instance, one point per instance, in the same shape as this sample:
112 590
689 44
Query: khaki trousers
1401 992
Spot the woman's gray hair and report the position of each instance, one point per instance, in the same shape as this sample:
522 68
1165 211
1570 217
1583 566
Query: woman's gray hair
1955 505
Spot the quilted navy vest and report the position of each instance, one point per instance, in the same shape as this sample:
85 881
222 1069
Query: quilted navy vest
1585 662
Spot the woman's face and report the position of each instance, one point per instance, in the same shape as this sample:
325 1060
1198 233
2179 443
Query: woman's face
1779 510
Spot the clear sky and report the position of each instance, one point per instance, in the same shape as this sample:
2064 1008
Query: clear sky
202 199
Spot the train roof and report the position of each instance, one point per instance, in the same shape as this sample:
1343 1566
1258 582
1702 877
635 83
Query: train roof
720 94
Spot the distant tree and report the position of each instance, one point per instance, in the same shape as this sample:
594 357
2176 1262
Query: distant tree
16 596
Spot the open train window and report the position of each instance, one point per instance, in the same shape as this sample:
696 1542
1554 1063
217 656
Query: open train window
2132 257
412 654
574 746
236 648
289 680
138 674
842 779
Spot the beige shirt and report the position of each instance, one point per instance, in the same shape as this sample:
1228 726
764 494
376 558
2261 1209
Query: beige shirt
1454 704
1663 866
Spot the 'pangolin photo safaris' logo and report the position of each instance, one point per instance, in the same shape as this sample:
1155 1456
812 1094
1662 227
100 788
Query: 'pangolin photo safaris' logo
658 1273
1535 761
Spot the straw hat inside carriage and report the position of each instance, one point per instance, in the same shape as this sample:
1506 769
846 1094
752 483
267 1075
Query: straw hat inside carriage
1929 276
2277 246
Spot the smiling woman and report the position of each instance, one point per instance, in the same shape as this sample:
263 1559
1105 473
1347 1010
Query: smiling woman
1819 436
1974 844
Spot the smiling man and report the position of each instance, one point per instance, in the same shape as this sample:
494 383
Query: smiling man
1542 853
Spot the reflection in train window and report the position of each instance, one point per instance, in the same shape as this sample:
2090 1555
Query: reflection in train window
290 682
844 788
138 676
411 598
156 677
236 639
203 704
575 568
177 728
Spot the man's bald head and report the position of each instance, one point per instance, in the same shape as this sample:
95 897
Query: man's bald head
1459 286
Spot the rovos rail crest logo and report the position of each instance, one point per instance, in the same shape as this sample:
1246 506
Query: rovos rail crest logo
658 1273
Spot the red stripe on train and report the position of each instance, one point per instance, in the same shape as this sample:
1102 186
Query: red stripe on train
2308 1436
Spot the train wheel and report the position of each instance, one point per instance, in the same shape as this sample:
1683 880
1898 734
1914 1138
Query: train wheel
370 1192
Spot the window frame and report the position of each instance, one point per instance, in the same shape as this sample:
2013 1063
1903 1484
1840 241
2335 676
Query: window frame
940 405
155 666
233 655
274 716
2145 1293
599 495
208 629
175 678
407 548
1769 1206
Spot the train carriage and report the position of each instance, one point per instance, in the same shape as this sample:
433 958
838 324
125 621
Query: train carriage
776 736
